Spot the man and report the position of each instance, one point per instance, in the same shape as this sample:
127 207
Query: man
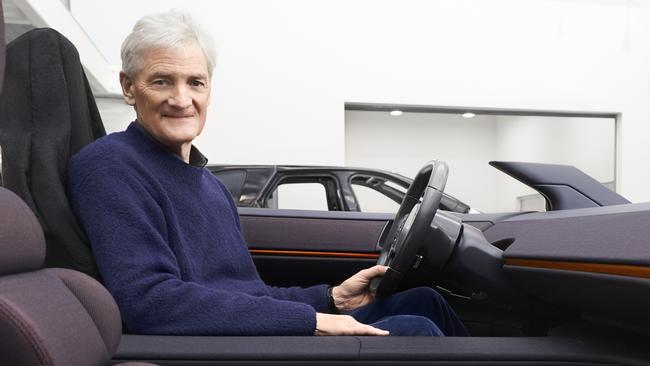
165 233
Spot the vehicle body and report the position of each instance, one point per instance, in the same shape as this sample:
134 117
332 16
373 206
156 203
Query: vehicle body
564 287
561 287
256 185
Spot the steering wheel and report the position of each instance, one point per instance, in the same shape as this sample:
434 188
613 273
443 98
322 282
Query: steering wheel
411 228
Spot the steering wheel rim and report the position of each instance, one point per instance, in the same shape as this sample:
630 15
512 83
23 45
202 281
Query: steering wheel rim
411 226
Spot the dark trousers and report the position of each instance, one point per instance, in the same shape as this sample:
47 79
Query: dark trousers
416 312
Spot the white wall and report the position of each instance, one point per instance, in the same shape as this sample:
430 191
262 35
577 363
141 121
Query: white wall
403 144
116 114
287 66
586 143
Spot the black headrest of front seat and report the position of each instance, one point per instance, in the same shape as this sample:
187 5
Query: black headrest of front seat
47 113
2 47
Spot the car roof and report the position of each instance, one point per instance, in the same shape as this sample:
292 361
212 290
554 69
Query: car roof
305 168
311 168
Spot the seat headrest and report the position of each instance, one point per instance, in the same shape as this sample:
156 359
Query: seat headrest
22 244
48 113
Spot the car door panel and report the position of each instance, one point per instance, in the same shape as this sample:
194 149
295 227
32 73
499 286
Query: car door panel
298 247
329 235
595 260
348 350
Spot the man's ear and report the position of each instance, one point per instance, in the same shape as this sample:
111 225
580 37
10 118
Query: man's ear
127 88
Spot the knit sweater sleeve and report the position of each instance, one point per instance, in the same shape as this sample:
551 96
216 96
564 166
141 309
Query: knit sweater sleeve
128 234
316 296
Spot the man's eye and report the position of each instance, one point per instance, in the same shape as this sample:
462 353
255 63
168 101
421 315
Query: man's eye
160 82
197 83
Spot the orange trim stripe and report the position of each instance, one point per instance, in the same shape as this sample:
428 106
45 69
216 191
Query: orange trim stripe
314 254
612 269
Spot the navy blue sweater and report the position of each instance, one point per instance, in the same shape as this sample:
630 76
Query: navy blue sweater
167 241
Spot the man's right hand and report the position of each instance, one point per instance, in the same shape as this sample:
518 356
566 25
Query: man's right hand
332 325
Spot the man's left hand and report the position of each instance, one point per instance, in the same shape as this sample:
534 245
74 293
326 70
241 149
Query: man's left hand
353 293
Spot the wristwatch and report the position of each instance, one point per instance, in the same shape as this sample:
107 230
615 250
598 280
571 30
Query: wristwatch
331 306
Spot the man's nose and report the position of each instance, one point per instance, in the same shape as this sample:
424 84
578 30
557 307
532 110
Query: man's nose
180 97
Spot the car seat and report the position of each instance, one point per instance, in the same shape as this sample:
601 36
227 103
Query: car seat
47 114
51 316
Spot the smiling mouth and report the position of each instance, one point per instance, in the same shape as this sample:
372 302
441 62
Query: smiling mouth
178 115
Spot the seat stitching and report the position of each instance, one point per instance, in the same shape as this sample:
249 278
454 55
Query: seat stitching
31 337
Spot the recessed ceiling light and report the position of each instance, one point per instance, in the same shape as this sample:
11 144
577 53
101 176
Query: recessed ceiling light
396 112
468 115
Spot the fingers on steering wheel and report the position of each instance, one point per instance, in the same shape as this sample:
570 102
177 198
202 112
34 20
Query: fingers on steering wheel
375 271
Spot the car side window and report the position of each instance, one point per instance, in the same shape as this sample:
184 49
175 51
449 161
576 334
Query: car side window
233 180
376 194
372 201
299 196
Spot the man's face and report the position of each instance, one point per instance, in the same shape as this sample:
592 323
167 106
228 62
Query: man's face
170 93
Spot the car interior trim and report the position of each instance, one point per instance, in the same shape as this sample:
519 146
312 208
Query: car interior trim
313 253
605 268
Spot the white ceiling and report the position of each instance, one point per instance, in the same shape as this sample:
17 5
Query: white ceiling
13 15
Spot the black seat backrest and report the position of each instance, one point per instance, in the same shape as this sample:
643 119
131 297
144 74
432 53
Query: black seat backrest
47 113
2 47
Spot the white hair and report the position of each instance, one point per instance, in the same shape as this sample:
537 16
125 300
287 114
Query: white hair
172 29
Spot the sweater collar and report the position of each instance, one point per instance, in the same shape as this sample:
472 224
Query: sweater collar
197 159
